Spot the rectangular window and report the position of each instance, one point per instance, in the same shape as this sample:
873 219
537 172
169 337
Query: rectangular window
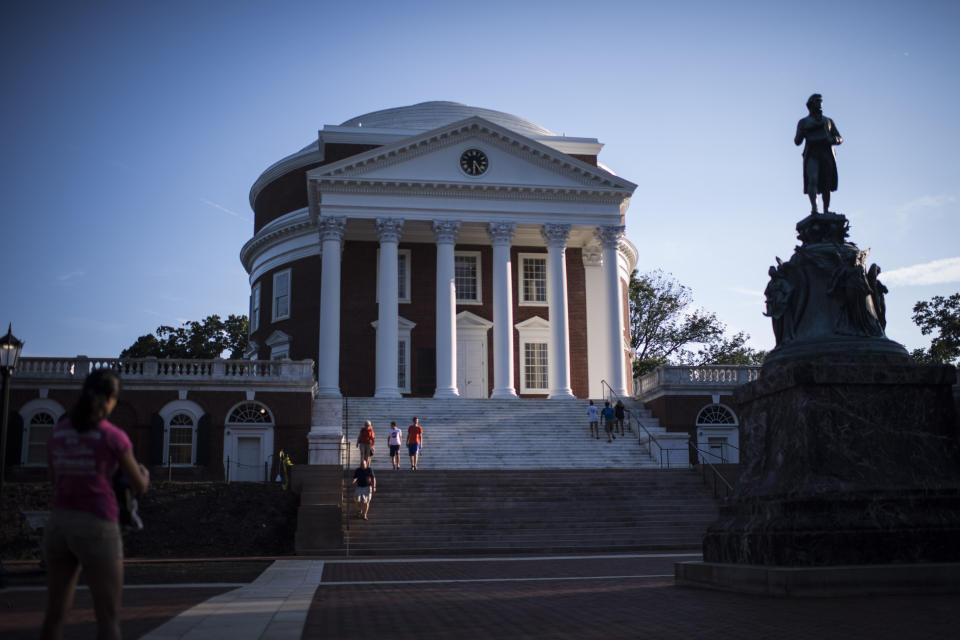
403 276
535 365
281 295
403 366
533 279
255 308
41 426
466 269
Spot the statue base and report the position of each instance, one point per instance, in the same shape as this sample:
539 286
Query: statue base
850 461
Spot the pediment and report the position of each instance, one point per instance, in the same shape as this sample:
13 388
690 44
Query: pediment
277 338
536 323
467 321
431 160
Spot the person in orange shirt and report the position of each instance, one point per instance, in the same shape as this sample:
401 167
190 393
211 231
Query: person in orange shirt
414 442
365 441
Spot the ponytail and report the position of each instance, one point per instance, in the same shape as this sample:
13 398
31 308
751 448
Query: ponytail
91 407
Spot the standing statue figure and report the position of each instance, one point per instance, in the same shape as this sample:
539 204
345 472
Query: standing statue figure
819 161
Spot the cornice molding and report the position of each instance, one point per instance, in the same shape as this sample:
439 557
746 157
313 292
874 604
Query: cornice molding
291 225
464 190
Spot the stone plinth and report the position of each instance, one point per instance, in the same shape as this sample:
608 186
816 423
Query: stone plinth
850 461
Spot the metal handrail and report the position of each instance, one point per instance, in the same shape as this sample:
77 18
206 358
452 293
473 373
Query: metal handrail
706 464
650 437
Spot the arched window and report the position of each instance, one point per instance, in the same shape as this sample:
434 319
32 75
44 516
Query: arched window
181 439
38 430
250 413
715 414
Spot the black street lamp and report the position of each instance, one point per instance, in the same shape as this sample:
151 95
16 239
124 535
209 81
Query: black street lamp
9 354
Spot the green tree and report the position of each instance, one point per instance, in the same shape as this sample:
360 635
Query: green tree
207 339
941 315
664 329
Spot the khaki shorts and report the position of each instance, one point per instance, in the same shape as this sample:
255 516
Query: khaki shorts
82 536
363 494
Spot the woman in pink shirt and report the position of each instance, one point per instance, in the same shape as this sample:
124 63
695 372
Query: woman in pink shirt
84 451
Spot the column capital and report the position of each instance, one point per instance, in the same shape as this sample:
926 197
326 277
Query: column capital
592 255
389 229
501 233
446 231
332 227
609 237
555 235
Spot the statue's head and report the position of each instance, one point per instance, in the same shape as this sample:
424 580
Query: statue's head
814 102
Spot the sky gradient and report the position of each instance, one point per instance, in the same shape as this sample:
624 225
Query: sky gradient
133 131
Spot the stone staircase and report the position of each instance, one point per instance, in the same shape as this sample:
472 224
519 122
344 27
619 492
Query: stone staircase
446 512
505 476
461 433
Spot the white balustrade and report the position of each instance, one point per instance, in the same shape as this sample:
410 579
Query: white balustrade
671 376
154 369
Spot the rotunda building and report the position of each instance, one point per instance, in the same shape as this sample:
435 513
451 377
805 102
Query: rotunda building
443 250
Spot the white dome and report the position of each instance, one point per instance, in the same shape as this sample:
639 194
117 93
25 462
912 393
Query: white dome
430 115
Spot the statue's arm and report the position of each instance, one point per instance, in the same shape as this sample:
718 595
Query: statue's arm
837 139
797 139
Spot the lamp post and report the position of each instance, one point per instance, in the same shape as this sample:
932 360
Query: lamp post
9 354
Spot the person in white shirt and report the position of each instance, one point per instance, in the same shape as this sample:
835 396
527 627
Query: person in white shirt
594 417
394 440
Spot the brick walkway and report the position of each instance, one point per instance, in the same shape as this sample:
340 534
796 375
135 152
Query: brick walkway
607 596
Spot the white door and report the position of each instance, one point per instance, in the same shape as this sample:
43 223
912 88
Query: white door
470 368
249 465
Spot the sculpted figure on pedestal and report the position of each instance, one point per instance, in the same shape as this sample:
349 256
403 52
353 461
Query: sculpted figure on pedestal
819 160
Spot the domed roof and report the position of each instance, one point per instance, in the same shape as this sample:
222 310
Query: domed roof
430 115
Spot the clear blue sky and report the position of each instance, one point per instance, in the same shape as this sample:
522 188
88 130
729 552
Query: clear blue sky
132 132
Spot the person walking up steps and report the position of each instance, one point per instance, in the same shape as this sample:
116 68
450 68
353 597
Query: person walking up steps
608 421
414 442
594 417
365 441
620 414
366 483
394 440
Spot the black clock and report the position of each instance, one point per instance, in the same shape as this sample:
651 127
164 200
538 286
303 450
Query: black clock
473 162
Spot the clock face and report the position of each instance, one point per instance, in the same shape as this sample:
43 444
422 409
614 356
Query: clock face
473 162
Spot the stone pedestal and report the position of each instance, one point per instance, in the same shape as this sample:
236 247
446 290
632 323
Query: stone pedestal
851 451
325 441
850 461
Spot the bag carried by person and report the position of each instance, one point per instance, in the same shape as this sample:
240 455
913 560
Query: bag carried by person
129 517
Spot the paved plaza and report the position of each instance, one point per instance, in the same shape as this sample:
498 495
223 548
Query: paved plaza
598 596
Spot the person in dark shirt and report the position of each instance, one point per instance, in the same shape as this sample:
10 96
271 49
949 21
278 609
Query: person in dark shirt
609 421
366 485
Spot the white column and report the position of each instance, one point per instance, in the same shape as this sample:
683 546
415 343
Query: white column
558 354
501 236
596 299
388 337
610 241
446 233
328 357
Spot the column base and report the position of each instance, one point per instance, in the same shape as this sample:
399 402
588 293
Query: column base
504 393
325 448
329 392
562 394
451 392
390 393
325 441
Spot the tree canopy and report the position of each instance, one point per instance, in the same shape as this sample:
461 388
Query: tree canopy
940 315
665 329
207 339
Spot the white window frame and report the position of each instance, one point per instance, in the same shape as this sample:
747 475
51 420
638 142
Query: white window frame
402 254
279 343
27 413
725 433
171 409
255 307
535 330
479 282
276 316
521 260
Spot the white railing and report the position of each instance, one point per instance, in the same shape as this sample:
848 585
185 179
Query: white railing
695 376
154 369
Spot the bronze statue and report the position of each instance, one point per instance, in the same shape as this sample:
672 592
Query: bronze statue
819 160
